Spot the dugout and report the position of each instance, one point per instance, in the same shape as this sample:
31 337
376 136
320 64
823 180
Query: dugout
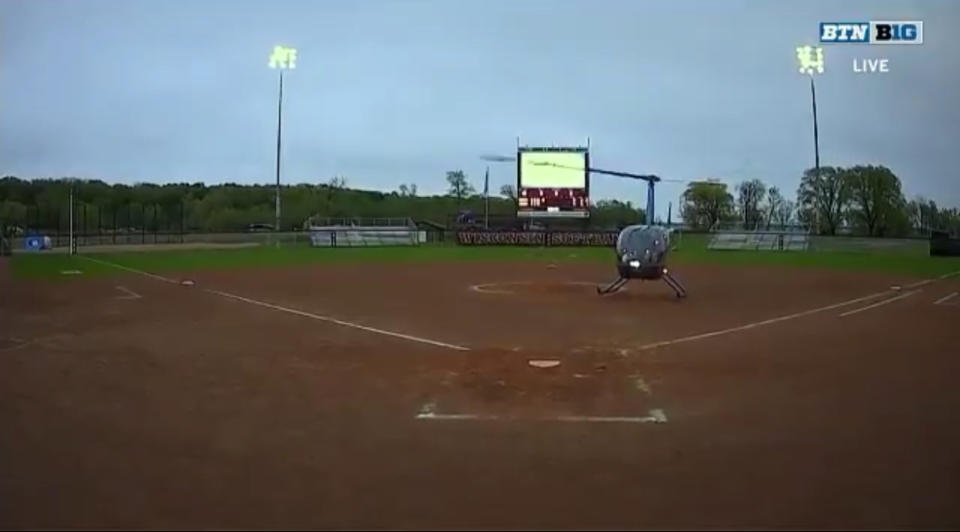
941 245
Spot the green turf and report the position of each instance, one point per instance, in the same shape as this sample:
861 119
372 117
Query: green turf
692 250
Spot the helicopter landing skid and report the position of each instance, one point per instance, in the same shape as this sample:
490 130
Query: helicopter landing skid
672 282
612 287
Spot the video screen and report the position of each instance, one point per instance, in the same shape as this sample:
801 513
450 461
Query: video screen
553 182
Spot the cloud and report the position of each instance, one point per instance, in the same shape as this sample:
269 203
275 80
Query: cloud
401 91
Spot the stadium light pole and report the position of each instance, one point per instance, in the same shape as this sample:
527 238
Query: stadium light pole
810 60
282 58
73 248
72 239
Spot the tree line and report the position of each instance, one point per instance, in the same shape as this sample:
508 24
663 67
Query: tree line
861 200
43 204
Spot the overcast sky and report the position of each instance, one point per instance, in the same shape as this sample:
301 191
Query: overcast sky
400 91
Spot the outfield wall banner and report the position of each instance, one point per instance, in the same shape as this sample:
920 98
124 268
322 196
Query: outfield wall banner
584 238
537 238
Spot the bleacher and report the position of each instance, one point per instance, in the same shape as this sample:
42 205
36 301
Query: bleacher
760 241
362 232
796 242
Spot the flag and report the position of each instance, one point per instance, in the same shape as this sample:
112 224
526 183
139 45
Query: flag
486 182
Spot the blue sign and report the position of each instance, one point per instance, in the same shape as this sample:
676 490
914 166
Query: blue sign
873 32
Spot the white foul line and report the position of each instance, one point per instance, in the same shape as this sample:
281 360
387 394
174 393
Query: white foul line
338 322
928 281
799 314
880 304
290 310
133 270
945 298
762 323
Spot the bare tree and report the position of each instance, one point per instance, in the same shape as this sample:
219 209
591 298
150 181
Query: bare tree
774 202
749 196
784 213
459 186
335 184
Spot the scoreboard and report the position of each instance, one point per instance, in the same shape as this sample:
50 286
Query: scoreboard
553 182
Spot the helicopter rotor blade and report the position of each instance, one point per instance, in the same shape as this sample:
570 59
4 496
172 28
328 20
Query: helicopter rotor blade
493 158
593 170
608 172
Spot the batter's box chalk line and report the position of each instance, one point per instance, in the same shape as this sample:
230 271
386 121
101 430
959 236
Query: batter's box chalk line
127 293
428 412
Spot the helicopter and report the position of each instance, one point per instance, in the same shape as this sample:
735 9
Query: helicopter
642 254
641 249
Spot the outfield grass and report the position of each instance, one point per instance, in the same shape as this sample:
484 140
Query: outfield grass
692 250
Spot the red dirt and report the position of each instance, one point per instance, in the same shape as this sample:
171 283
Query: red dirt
499 382
185 409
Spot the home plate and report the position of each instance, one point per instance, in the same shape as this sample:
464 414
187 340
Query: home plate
544 363
895 287
186 282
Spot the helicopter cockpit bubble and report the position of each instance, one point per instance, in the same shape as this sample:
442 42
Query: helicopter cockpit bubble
642 251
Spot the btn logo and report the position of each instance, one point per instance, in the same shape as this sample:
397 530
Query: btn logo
845 32
873 32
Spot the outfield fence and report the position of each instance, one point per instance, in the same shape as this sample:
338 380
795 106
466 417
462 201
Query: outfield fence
144 227
61 239
864 244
